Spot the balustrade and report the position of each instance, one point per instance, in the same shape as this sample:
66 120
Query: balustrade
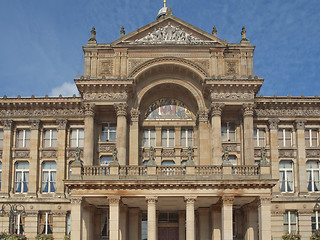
246 170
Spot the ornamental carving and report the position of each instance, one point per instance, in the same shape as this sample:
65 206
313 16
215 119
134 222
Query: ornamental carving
89 109
313 153
168 153
247 109
216 109
59 213
230 147
225 200
114 200
287 153
106 148
71 153
107 67
231 68
264 200
76 200
32 213
287 113
34 124
257 153
273 123
21 154
134 114
277 213
49 153
203 116
300 123
152 200
41 113
62 124
7 124
190 200
121 109
232 96
106 96
170 35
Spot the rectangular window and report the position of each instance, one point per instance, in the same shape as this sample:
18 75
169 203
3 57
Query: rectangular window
228 132
285 138
313 177
149 138
144 226
167 138
260 137
286 176
1 139
45 223
186 138
68 223
49 177
105 223
21 177
50 138
109 133
19 224
290 222
312 137
77 138
315 221
23 139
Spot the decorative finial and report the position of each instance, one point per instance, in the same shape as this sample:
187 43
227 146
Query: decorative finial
214 31
243 33
164 3
190 161
93 35
122 31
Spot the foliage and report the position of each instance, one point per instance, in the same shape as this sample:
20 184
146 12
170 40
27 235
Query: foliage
67 237
291 236
8 236
44 237
315 235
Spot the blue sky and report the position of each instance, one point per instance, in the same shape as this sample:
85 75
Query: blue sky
41 41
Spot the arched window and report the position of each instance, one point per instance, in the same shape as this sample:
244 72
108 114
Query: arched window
313 177
286 176
49 177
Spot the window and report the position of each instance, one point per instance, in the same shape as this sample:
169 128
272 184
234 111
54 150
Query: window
290 222
315 221
105 160
77 138
109 133
312 137
19 224
313 176
260 137
144 226
149 138
23 138
286 176
168 217
45 223
1 139
50 138
49 177
228 132
167 163
167 138
68 223
285 138
22 177
105 223
186 138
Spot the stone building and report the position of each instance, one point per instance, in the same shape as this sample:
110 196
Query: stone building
168 140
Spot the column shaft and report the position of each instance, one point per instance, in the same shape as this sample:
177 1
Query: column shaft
264 212
34 164
61 155
121 143
190 218
88 150
114 217
274 152
226 218
204 139
152 218
216 133
76 218
134 138
248 134
301 158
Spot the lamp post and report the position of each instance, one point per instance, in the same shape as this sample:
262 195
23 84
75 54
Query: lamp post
13 211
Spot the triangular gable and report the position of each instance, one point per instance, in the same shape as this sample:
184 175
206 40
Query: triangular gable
169 30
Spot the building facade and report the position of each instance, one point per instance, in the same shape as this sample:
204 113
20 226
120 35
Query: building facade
168 140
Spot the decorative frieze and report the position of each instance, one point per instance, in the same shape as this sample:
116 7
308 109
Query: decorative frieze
203 116
106 96
134 114
34 124
62 124
300 123
287 112
121 109
310 153
68 112
7 124
232 96
106 147
216 109
273 123
21 154
247 109
49 154
71 153
168 153
287 153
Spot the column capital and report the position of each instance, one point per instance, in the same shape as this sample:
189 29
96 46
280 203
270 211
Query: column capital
114 200
7 124
273 123
121 109
89 109
62 124
216 109
35 124
152 200
190 199
300 123
203 116
227 200
247 109
134 114
264 201
76 200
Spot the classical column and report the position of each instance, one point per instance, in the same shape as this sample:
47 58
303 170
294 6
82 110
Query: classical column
88 149
134 137
76 218
182 225
305 228
301 156
6 157
134 223
59 224
274 151
61 155
152 217
251 213
203 225
216 132
226 218
264 213
204 143
34 164
114 208
121 110
248 133
190 218
216 222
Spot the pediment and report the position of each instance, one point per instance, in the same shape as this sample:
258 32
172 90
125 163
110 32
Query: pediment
169 31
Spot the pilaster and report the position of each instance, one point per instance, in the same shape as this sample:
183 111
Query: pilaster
31 224
305 228
121 143
226 218
264 213
152 217
216 111
59 224
114 209
204 154
61 155
76 218
190 217
134 137
34 163
88 150
247 111
274 151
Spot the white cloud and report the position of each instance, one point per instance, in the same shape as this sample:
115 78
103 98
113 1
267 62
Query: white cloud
66 89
